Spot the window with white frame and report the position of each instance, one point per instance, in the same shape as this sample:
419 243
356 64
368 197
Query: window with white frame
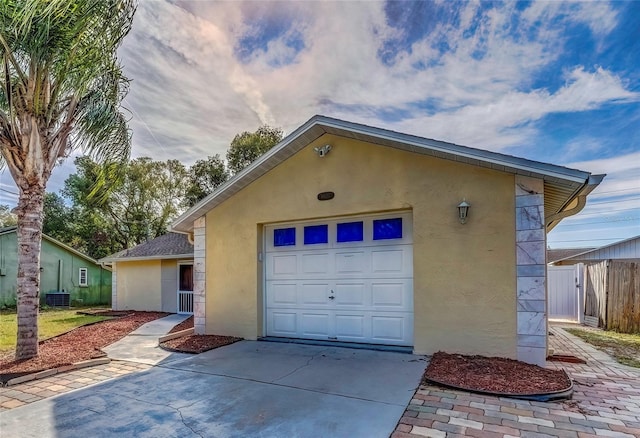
83 277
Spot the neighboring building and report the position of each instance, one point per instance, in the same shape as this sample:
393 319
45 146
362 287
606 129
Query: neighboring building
62 269
574 274
346 232
628 249
554 255
155 276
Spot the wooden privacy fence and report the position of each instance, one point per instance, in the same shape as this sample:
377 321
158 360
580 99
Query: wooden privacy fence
612 295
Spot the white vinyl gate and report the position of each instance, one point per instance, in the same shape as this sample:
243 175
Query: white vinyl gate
565 292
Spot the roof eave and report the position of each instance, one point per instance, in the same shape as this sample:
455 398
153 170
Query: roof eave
552 173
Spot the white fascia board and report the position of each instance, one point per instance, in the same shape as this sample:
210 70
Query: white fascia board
138 259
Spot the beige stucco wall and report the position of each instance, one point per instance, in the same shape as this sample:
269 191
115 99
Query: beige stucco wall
464 275
169 286
139 285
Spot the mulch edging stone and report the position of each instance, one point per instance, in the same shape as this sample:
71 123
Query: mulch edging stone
563 394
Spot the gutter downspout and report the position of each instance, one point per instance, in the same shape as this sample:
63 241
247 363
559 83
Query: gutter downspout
581 195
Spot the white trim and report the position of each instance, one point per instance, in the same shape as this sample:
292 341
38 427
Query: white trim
182 292
138 259
84 283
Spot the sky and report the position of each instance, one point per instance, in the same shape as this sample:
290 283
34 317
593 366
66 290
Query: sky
556 82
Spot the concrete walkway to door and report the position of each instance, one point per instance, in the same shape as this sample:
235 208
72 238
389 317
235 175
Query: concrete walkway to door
248 389
141 345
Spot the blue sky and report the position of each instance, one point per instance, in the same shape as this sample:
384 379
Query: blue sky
550 81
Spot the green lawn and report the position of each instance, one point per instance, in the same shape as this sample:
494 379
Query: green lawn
625 348
51 322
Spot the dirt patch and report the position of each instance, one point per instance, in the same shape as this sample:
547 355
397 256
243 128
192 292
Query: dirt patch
494 374
198 343
79 344
186 324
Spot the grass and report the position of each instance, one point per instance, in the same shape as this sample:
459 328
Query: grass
51 322
625 348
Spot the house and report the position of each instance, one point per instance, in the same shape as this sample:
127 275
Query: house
156 275
349 233
62 269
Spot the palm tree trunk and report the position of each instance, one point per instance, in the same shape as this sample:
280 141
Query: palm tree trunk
29 211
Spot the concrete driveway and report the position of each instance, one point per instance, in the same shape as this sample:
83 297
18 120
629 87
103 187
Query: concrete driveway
248 389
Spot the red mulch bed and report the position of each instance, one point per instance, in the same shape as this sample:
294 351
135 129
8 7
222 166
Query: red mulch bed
493 374
186 324
82 343
198 343
195 343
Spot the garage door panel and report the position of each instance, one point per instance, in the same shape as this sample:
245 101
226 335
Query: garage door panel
351 262
283 265
387 260
350 294
283 294
390 328
314 324
316 264
283 323
350 327
390 294
314 294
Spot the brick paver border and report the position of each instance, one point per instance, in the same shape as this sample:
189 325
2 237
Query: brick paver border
606 403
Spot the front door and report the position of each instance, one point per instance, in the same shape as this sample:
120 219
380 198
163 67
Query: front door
185 288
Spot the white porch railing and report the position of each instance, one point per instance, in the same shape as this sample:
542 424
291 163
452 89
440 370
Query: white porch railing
185 302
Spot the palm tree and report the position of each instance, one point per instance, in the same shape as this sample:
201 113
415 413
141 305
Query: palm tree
60 90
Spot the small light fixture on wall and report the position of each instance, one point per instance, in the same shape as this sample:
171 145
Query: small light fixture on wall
322 150
463 211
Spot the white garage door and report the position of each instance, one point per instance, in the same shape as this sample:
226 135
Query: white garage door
347 279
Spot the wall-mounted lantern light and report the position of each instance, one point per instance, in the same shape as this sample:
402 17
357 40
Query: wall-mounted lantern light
322 150
463 211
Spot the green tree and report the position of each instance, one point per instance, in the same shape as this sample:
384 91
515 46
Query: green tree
7 218
58 219
248 146
139 206
204 177
60 90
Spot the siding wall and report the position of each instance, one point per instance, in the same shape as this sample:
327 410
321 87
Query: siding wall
54 277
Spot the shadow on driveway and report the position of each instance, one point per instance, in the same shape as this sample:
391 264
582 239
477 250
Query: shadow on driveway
244 389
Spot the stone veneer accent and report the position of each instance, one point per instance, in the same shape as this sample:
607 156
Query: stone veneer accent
531 271
114 287
199 276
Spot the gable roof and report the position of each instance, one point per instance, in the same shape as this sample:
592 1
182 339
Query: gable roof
14 229
167 246
623 249
561 184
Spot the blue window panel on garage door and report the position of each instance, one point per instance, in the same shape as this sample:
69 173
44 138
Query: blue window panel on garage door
314 234
350 232
387 229
284 237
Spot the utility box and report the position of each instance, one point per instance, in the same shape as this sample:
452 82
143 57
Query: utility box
57 299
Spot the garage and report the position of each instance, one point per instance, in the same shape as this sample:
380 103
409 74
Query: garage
347 279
